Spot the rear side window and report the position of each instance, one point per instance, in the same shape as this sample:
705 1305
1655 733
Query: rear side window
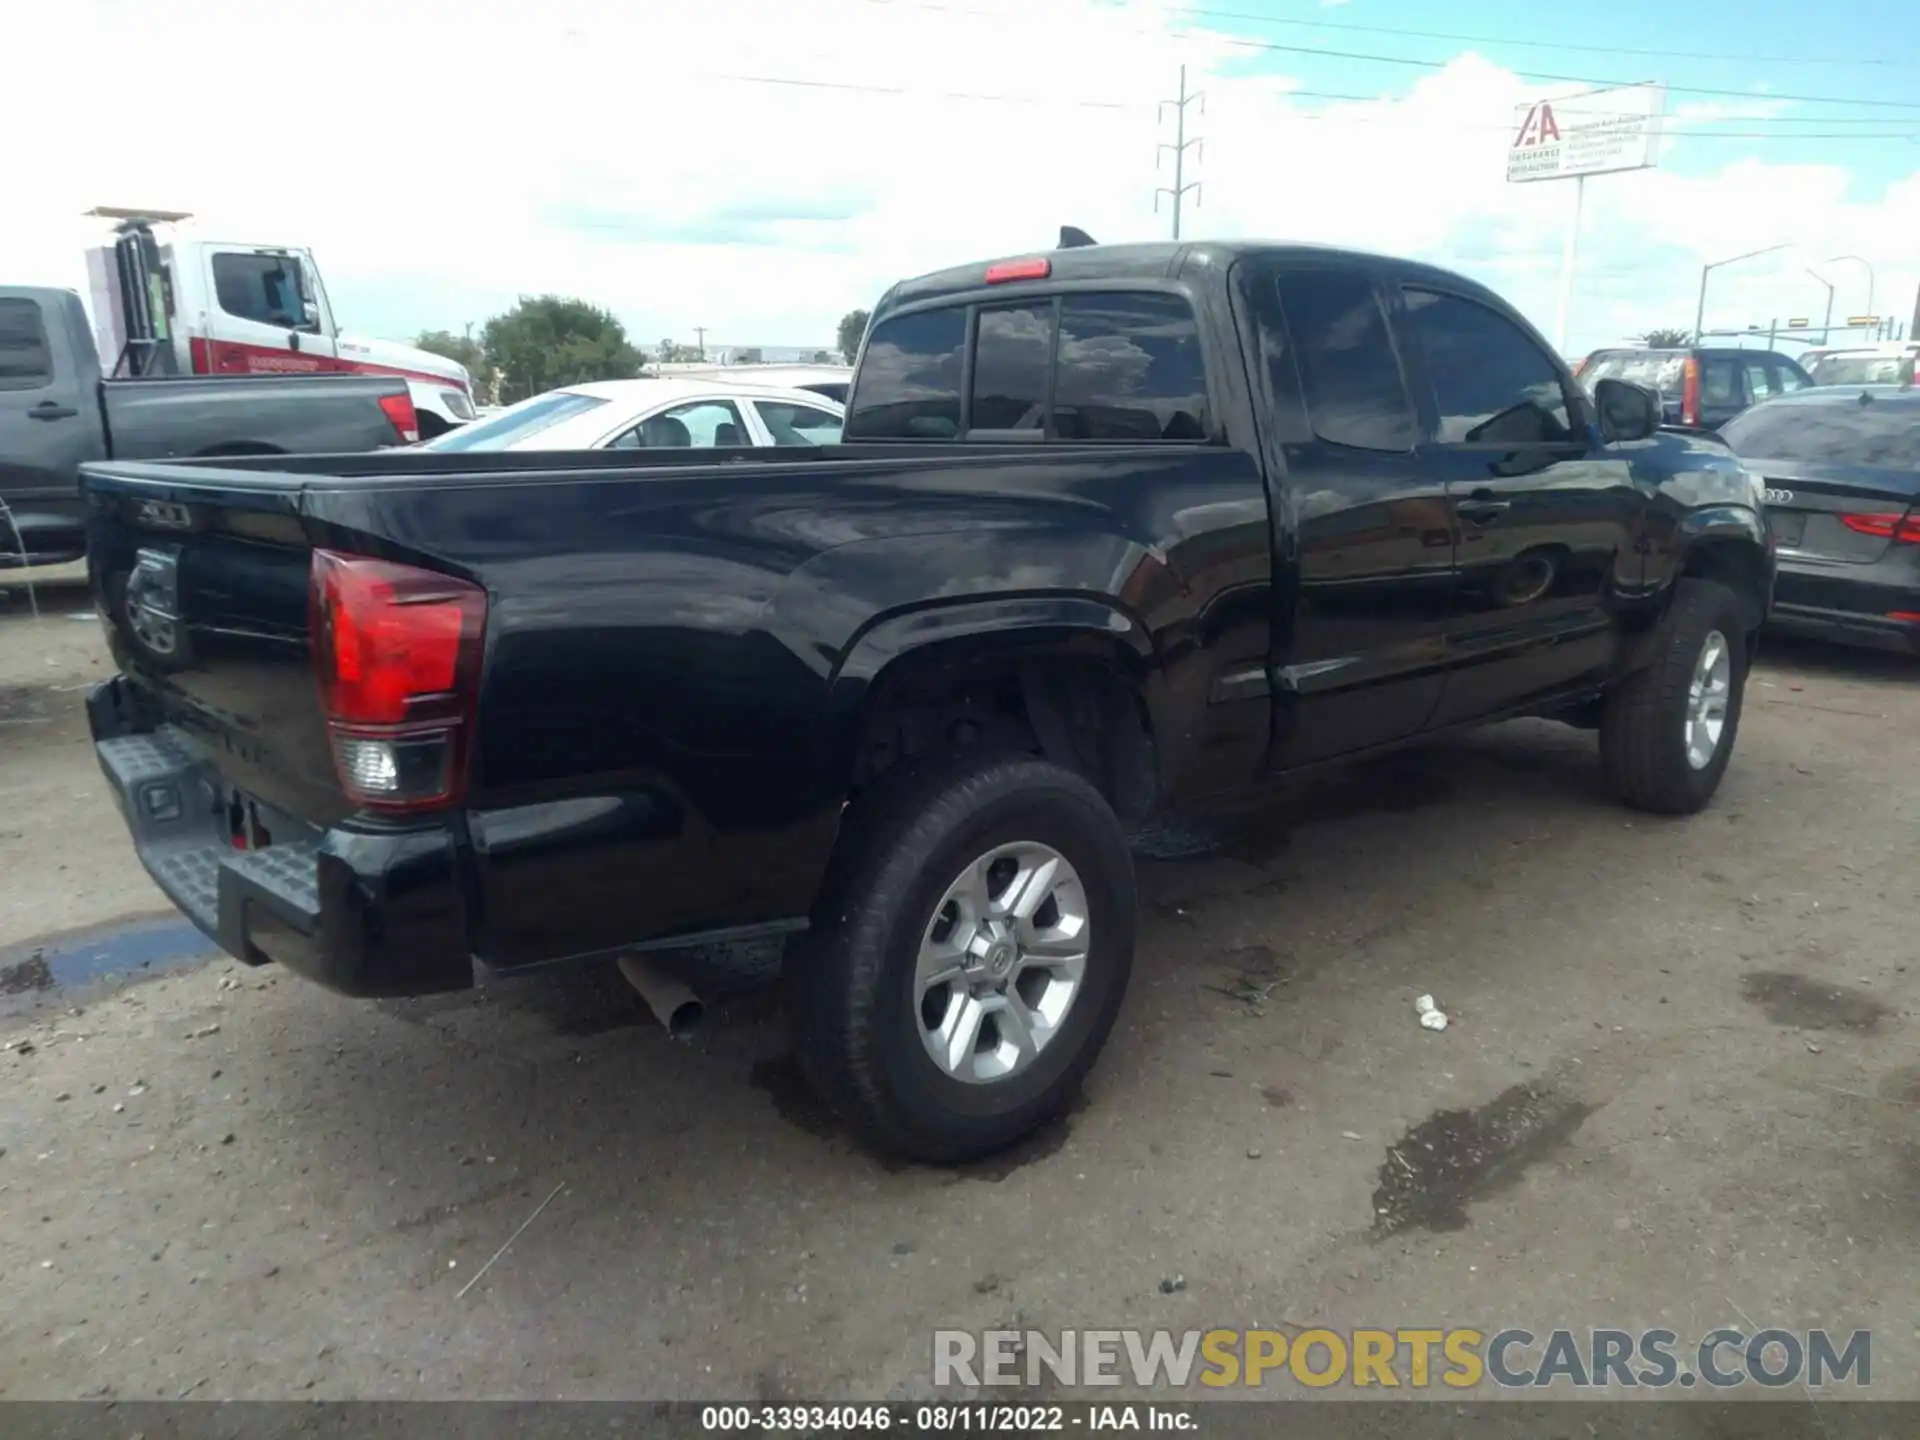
792 424
1355 394
1884 434
908 387
1492 385
1129 368
26 363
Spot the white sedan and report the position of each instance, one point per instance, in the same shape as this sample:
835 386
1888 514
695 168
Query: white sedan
652 413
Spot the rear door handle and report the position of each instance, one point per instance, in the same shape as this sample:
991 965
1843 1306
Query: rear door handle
47 410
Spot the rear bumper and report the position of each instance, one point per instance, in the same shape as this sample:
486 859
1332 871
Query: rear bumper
367 913
1850 604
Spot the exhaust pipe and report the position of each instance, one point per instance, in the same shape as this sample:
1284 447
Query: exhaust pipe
677 1008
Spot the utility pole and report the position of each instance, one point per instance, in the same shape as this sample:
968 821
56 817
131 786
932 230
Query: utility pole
1181 144
700 340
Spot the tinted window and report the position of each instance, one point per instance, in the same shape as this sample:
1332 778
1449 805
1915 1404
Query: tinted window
1882 433
1354 392
1719 382
699 424
516 423
1759 380
1787 377
1492 385
265 288
792 424
1010 360
25 362
1129 368
908 387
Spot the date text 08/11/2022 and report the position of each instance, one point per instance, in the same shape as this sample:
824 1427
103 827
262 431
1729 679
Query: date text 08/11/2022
984 1418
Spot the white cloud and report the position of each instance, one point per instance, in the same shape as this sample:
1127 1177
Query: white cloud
442 157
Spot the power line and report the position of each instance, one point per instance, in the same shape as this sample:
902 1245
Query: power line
1321 52
1135 107
1662 53
1177 192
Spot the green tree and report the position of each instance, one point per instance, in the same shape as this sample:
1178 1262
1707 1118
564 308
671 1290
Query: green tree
551 340
853 328
464 350
672 352
1669 339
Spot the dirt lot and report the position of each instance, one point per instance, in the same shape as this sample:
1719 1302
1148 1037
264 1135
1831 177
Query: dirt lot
1679 1088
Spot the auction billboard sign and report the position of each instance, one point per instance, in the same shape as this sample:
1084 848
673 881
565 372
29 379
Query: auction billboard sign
1594 133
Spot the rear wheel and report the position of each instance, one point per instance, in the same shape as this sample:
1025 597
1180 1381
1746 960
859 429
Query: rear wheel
969 957
1667 731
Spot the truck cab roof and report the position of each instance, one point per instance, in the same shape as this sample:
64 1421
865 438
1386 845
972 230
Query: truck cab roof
1162 260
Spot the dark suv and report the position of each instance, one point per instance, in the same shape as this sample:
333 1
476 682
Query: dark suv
1699 387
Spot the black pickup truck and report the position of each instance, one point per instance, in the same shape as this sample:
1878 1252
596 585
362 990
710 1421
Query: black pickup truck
1114 531
56 412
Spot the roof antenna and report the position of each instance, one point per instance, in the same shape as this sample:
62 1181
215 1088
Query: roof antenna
1072 237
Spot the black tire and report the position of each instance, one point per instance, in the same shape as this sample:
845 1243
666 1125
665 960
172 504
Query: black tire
1643 748
851 976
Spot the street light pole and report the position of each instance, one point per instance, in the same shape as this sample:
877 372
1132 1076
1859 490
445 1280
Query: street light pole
1864 264
1826 324
1700 311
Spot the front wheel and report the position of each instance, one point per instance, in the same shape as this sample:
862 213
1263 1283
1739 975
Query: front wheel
1667 731
969 955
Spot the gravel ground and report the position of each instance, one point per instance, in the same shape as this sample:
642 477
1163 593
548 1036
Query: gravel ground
1679 1087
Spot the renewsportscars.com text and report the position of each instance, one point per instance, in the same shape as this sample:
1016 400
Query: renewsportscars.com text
1459 1359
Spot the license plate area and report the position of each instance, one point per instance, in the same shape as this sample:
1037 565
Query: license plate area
1789 527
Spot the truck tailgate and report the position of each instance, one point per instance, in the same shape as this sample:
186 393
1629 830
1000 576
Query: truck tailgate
203 590
214 735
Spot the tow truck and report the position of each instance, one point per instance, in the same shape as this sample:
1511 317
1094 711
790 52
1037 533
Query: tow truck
167 301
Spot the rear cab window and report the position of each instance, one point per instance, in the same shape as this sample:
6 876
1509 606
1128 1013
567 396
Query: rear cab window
1082 366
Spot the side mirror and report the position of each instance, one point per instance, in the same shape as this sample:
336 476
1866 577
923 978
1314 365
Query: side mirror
310 314
1627 411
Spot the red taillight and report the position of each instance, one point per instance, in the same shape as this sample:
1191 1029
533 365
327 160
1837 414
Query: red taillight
1036 269
401 413
1903 530
1905 617
396 651
1690 392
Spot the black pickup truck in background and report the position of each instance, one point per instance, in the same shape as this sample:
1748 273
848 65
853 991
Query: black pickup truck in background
1116 531
57 412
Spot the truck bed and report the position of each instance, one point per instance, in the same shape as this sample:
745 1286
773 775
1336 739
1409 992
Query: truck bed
673 656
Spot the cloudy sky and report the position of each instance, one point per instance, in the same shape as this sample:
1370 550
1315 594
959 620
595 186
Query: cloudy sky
759 169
